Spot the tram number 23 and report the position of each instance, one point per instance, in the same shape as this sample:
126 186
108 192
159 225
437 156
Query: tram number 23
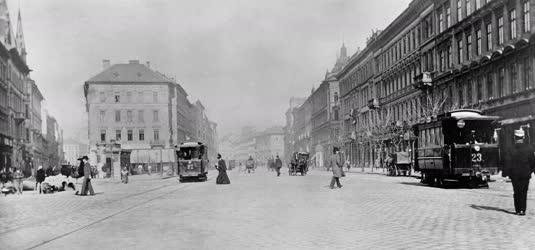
477 157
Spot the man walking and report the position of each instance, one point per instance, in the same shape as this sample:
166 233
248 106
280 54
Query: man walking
39 178
86 185
18 178
278 165
336 165
520 166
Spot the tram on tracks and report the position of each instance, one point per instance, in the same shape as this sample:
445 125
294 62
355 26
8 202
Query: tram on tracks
460 145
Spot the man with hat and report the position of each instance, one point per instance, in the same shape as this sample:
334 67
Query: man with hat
520 166
86 184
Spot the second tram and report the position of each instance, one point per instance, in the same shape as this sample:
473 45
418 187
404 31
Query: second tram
460 145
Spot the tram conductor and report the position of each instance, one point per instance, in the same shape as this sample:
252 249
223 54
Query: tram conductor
521 164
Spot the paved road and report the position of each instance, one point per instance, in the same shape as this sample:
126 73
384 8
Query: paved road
261 211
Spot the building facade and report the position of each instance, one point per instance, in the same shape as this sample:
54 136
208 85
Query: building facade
313 123
435 57
138 115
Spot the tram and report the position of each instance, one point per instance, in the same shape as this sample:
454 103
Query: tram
460 145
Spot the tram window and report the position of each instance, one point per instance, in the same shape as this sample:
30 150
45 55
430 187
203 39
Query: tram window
432 136
496 136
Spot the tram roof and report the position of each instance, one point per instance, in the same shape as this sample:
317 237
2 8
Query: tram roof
190 144
469 114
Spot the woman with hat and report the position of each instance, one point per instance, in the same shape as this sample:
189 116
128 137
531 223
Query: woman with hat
39 178
221 166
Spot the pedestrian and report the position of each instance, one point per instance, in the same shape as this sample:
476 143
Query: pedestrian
250 165
336 166
222 177
139 169
86 184
39 178
348 164
18 178
520 165
149 169
278 165
124 175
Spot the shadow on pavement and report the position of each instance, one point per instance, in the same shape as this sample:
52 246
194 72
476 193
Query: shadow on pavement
477 207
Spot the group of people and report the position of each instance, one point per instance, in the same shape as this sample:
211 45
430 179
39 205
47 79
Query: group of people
84 169
275 164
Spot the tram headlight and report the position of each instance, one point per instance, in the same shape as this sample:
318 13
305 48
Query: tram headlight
461 124
477 148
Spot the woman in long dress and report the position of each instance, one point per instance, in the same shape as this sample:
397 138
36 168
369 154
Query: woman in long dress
222 178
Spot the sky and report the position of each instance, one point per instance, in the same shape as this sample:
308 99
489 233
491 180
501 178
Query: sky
243 59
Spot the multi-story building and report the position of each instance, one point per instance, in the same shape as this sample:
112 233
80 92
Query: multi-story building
314 124
289 129
269 144
437 56
74 150
139 115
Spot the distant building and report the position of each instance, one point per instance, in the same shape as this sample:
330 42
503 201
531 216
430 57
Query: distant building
269 144
74 150
138 115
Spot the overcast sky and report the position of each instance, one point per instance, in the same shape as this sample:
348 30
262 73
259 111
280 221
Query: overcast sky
243 59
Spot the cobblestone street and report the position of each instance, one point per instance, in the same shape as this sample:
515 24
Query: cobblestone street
261 211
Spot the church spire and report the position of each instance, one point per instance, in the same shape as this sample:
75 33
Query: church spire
6 31
343 51
19 39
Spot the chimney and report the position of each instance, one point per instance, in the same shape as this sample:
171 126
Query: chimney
133 62
105 64
148 64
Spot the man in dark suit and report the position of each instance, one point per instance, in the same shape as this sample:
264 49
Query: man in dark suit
86 185
278 165
521 165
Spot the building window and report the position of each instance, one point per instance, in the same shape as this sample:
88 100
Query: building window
440 21
468 7
526 71
450 57
448 16
459 50
102 115
103 135
526 20
140 116
469 96
336 116
460 93
102 96
490 86
489 36
118 135
459 10
155 115
117 115
469 47
129 135
513 78
478 4
140 97
156 135
128 96
500 30
155 97
117 98
141 135
478 42
129 116
501 84
512 24
479 89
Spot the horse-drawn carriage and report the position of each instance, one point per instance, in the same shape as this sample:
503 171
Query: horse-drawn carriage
299 163
399 163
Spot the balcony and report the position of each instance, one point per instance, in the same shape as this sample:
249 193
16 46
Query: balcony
19 116
424 80
373 103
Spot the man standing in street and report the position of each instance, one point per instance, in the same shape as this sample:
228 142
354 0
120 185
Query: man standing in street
520 166
336 165
278 165
39 178
18 178
86 185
